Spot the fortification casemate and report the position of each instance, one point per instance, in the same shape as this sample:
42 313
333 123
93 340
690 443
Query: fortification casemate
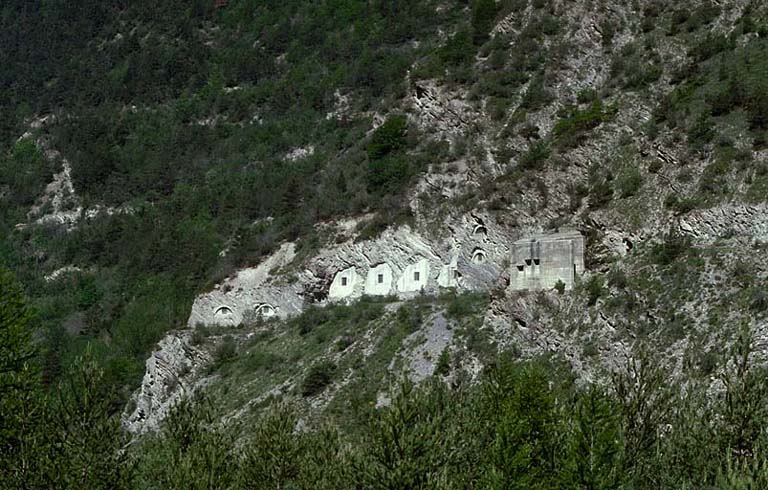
379 280
540 261
343 284
414 278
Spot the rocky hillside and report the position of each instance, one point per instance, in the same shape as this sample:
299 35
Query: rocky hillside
605 120
200 195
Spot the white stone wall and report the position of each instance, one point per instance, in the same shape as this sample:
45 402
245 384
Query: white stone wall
379 280
343 285
415 277
449 274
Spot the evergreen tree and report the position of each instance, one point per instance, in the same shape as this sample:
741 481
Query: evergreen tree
19 388
189 452
88 445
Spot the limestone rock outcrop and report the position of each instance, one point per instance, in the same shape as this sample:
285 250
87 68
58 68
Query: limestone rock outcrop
723 221
400 262
172 371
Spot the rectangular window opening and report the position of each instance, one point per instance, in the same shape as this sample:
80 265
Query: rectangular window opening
343 281
381 278
416 276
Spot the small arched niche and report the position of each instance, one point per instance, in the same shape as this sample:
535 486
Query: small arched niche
222 312
480 231
479 256
265 310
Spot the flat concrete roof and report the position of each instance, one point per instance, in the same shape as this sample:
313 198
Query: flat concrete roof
551 237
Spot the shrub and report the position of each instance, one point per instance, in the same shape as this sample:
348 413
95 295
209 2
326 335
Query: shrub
443 365
681 205
26 171
388 175
629 181
600 194
671 249
571 127
318 378
458 50
713 181
701 132
594 287
536 155
537 96
483 15
225 351
388 138
466 304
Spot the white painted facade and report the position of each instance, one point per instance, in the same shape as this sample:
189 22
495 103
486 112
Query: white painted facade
448 277
343 285
414 278
379 280
449 274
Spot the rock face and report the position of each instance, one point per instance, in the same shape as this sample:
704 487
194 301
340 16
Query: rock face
401 262
171 371
721 221
254 291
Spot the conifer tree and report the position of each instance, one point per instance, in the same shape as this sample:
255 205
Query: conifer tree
19 387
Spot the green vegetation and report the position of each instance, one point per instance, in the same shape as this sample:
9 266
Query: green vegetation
181 122
183 115
575 122
389 169
725 80
319 376
525 425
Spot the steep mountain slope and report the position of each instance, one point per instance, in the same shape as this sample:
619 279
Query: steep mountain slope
591 133
260 148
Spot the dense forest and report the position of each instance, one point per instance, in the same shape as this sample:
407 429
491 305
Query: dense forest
131 85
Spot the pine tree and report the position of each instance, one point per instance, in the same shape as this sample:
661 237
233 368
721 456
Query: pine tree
87 444
19 387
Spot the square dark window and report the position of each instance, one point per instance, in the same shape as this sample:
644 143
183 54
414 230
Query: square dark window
381 278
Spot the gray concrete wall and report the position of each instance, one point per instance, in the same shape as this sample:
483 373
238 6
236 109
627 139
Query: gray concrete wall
541 261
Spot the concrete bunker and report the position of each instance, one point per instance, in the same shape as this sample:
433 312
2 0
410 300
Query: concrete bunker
479 256
343 285
541 261
379 280
415 277
265 310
